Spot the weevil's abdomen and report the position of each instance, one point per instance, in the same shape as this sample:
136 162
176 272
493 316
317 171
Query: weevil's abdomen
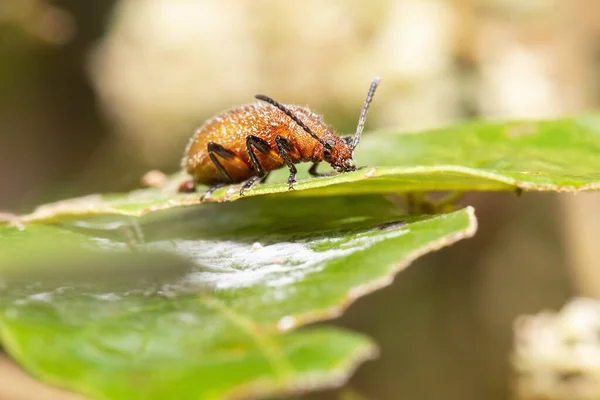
231 129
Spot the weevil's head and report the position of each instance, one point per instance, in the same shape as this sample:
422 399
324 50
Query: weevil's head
338 152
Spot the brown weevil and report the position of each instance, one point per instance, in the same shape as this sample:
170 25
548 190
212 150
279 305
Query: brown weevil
245 143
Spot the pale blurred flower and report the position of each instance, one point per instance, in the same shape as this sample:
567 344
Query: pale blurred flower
557 356
166 65
518 82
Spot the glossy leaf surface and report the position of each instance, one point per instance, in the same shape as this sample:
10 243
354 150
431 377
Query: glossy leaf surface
210 314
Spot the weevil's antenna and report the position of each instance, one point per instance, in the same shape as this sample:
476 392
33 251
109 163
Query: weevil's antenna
363 113
289 114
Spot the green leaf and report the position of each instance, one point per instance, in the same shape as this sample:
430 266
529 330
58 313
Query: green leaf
250 365
555 155
220 325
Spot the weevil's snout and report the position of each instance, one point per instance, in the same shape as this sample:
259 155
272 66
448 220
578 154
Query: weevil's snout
338 154
347 165
343 161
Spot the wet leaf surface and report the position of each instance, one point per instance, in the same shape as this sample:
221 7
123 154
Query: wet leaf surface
211 307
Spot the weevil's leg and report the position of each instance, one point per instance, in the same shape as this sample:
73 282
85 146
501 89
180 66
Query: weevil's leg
284 146
264 178
214 150
262 146
249 184
211 190
254 142
313 170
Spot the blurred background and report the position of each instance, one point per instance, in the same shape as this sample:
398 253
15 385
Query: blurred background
95 93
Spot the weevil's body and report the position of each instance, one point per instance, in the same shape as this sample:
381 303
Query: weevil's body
247 142
231 129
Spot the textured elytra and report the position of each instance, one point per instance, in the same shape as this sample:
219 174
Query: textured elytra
231 129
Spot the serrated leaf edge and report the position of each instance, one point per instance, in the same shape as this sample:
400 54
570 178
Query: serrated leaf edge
369 287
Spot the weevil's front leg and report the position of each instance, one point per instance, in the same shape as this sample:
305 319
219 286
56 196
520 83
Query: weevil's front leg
284 147
248 184
214 150
252 181
264 178
211 190
254 142
313 170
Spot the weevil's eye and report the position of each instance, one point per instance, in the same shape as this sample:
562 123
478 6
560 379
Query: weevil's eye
327 155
